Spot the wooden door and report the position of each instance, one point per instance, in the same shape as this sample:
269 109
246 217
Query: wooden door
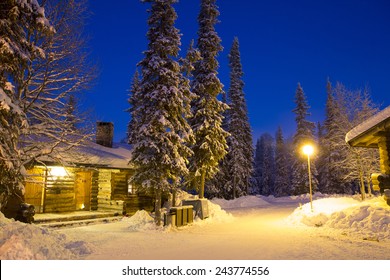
83 186
34 188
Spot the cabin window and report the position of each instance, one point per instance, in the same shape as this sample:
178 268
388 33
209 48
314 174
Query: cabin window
131 189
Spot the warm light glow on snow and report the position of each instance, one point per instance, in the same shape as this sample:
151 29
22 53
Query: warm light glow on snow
329 205
252 227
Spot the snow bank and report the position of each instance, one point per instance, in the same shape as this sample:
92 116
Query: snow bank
241 202
370 218
141 221
251 201
216 214
296 198
19 241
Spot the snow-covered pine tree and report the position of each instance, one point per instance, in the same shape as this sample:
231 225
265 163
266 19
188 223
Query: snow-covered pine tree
210 139
257 168
220 186
187 64
187 68
282 171
160 138
264 166
303 135
71 112
240 140
134 97
267 164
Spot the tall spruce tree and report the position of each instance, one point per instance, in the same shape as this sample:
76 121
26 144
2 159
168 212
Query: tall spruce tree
303 135
267 164
220 186
257 168
282 183
239 161
210 139
161 136
263 180
134 97
71 112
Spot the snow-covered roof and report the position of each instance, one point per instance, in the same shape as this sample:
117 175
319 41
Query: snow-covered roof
92 154
359 135
116 157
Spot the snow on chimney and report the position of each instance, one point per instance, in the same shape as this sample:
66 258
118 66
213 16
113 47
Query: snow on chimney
105 133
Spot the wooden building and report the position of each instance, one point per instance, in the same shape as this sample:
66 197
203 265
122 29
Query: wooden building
375 133
91 177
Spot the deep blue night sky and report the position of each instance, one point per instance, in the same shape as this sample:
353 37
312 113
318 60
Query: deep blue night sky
282 43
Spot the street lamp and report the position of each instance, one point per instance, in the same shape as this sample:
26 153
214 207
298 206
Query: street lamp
309 150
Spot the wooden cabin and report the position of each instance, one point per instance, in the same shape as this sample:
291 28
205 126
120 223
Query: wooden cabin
92 177
375 133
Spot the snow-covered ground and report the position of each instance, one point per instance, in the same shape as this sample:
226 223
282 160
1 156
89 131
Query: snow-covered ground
247 228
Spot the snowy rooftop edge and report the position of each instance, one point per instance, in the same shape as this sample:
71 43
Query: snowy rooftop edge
368 124
91 153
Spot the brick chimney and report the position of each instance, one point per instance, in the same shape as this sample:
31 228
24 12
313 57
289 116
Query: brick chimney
105 133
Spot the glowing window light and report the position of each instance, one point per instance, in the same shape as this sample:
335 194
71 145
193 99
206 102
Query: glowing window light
58 171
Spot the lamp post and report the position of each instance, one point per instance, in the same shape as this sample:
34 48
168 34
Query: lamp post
308 150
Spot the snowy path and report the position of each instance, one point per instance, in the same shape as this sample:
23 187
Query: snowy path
253 233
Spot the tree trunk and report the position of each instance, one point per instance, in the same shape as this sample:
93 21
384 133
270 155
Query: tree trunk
157 207
369 190
362 186
174 199
234 187
202 182
361 177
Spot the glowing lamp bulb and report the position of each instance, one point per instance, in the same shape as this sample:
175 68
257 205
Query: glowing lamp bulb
308 150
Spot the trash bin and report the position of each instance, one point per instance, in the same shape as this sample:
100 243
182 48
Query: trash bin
185 215
178 212
169 219
188 213
26 213
386 196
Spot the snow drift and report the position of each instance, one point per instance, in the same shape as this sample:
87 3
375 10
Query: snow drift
335 216
143 221
241 202
369 218
30 242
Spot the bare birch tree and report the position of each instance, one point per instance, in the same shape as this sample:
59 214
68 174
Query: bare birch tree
355 163
42 83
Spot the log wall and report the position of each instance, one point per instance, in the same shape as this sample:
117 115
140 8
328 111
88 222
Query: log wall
107 190
384 153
